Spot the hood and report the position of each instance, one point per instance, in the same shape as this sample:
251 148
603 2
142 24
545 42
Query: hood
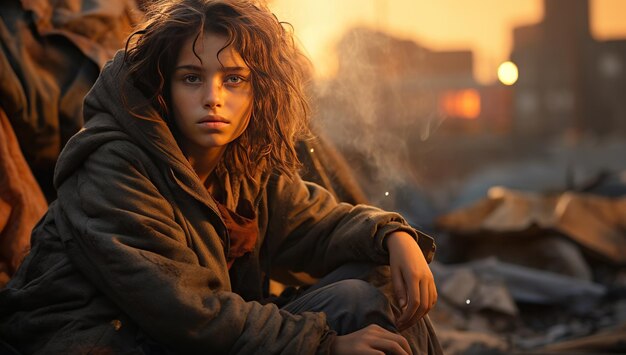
107 119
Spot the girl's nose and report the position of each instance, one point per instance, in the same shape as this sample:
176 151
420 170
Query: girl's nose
213 94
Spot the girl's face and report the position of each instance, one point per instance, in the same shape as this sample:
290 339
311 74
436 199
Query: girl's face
212 98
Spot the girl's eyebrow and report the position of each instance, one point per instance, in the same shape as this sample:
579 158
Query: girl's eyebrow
222 69
188 67
237 69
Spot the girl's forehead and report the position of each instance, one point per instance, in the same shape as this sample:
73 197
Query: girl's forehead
208 46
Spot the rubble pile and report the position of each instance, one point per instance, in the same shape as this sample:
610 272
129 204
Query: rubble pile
533 273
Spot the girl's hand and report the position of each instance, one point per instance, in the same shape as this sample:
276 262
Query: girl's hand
412 280
370 340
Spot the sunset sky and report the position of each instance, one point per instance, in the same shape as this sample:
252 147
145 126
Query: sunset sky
485 26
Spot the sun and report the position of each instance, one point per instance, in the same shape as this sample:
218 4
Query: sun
508 73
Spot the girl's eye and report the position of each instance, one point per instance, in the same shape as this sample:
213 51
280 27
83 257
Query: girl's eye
234 79
191 79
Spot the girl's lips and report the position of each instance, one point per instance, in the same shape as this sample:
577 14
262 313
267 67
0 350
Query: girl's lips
213 121
213 124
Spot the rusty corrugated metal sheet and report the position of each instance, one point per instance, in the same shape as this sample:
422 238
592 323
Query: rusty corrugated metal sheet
597 223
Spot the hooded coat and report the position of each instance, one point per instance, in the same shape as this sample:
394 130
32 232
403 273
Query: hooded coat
131 256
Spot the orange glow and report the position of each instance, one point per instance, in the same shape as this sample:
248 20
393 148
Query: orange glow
483 26
607 19
464 104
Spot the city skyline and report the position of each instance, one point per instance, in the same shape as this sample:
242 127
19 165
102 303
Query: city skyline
441 25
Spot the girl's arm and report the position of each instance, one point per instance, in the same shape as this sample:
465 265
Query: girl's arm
310 231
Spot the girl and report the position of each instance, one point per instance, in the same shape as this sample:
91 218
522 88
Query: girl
181 195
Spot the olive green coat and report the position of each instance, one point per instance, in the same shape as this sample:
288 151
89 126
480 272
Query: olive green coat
132 252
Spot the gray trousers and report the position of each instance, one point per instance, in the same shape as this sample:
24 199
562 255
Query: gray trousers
357 295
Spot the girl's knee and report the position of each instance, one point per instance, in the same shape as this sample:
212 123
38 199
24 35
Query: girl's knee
359 293
357 304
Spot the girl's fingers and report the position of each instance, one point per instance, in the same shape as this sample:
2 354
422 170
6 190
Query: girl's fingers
413 304
426 298
399 288
391 342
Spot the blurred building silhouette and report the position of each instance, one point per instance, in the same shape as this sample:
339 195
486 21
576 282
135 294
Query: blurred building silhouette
568 80
389 96
407 85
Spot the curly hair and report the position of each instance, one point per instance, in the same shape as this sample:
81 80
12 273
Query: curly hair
279 73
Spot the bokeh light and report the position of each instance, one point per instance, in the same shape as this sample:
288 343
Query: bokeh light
508 73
